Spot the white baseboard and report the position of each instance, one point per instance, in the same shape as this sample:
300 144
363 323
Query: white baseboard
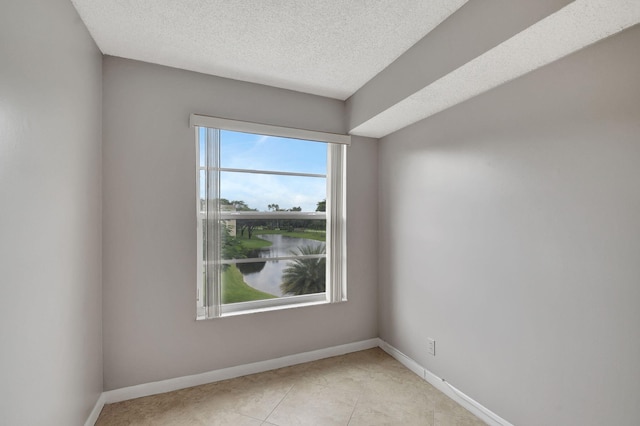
169 385
404 360
95 413
446 388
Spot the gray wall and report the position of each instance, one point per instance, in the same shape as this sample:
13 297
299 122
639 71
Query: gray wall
149 292
509 232
50 224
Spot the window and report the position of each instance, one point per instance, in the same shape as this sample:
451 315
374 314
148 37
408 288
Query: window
270 216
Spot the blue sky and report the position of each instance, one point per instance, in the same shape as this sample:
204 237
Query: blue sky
258 152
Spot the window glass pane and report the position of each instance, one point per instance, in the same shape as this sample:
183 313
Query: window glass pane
272 192
258 152
265 238
202 179
235 289
244 282
292 243
202 143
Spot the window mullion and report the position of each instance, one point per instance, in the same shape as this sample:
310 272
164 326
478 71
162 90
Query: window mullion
240 215
271 259
213 271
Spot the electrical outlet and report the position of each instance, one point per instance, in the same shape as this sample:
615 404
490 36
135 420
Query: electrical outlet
431 346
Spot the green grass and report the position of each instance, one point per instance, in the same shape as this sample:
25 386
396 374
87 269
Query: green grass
234 289
308 234
253 243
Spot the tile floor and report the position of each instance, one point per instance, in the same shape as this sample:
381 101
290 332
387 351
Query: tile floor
361 388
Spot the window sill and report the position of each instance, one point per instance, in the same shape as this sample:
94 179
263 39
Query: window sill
245 308
273 308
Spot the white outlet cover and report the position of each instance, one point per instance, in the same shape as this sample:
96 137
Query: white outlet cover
431 345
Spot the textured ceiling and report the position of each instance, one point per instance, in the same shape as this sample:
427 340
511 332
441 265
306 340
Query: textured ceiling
324 47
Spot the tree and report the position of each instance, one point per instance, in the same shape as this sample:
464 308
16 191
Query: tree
305 276
232 248
276 208
249 225
241 206
292 224
321 206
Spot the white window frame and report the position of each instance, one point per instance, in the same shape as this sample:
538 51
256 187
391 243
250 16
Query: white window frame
335 215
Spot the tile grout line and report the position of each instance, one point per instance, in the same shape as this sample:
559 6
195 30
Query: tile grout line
353 411
278 404
246 415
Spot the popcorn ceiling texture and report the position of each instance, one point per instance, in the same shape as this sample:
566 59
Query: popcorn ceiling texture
579 24
325 47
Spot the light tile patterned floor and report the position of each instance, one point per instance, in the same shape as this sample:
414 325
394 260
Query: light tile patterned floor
362 388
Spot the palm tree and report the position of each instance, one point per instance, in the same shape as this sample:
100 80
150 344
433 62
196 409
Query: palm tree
305 276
